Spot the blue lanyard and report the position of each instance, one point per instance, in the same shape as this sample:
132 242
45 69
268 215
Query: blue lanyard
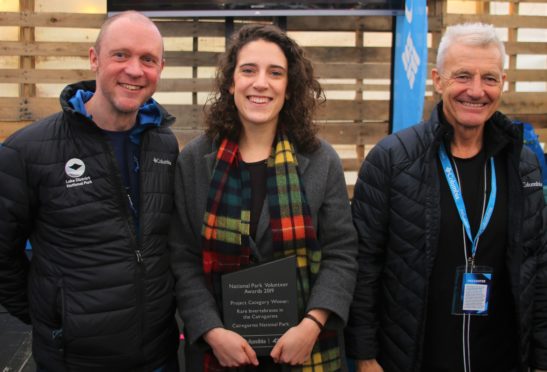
458 198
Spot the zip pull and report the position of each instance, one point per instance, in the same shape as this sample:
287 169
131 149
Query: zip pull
131 205
139 256
136 164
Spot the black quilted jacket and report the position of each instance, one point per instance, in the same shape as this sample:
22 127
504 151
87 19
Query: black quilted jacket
99 297
396 209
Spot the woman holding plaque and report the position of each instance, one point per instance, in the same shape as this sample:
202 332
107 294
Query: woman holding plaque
259 185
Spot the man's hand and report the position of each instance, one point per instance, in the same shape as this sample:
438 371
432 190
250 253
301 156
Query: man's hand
369 365
231 349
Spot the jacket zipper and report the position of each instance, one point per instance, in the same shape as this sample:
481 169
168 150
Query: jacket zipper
127 207
138 253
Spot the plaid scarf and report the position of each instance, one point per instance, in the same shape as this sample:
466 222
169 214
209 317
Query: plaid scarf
226 226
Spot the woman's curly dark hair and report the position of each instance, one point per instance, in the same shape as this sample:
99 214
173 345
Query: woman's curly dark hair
303 91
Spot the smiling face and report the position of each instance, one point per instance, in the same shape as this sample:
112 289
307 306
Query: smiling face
260 83
127 65
471 83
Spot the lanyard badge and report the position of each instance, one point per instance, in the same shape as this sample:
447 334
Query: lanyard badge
472 290
472 284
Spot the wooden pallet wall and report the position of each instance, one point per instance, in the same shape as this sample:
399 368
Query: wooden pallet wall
353 76
333 63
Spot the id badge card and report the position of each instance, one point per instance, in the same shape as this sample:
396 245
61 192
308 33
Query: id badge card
472 291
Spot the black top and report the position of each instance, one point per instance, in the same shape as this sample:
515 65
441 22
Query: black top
258 176
493 338
127 156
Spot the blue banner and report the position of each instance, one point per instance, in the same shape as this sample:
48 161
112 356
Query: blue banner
410 66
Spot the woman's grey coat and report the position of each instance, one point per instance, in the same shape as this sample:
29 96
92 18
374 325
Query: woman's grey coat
325 188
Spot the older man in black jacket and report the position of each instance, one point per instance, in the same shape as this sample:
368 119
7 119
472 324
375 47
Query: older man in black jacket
91 187
452 226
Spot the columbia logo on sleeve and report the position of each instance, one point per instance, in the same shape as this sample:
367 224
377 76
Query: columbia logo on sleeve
162 161
526 184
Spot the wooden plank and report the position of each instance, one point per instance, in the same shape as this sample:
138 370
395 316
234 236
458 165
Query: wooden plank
526 75
434 25
27 35
357 87
34 108
350 164
189 58
46 19
215 28
367 23
50 76
381 70
353 110
9 127
210 28
185 85
522 47
512 37
189 28
523 103
188 116
17 48
509 21
353 133
348 54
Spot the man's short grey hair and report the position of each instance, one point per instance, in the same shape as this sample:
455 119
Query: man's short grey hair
470 34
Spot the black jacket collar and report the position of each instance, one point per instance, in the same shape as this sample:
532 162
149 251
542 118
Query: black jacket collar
499 132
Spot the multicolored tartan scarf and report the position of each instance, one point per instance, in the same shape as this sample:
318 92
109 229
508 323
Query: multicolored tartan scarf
226 227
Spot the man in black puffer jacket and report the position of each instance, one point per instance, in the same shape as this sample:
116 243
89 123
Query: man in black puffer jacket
91 187
434 293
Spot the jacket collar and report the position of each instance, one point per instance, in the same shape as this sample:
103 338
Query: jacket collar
150 110
499 132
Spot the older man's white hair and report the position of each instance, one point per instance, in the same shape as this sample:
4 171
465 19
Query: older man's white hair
470 34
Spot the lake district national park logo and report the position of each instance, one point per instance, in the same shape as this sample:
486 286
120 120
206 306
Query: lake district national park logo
75 170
